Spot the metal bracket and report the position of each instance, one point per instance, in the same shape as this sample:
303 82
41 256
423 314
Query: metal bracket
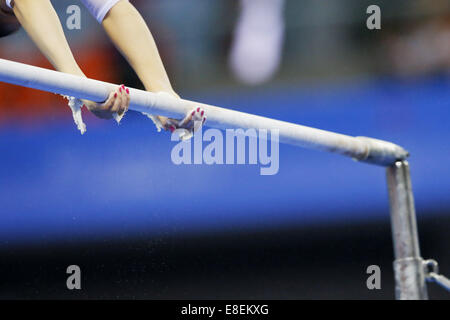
432 274
409 272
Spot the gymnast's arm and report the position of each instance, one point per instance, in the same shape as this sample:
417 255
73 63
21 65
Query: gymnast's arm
49 36
42 24
130 34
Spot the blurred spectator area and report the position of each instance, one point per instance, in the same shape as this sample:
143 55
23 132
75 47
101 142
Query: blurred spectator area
324 41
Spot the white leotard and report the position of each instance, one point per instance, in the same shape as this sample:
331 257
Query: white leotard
98 8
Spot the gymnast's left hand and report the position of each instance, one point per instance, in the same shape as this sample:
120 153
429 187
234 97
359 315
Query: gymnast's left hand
186 127
117 103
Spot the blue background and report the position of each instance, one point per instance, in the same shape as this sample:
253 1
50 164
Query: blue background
120 181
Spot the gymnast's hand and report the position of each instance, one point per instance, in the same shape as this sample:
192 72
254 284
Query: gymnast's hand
186 127
117 103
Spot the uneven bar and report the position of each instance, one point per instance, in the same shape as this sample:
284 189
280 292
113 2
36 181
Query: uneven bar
360 148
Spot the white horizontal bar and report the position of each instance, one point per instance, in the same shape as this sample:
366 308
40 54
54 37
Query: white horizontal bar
360 148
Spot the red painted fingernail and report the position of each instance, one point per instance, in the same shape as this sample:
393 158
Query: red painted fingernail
172 128
120 90
203 112
128 91
193 112
115 95
198 109
204 119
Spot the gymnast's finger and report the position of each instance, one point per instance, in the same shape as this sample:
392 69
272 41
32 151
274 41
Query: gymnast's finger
128 99
118 105
188 118
117 102
109 102
114 105
125 100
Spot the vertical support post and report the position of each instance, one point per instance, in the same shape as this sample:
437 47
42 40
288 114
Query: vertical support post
408 265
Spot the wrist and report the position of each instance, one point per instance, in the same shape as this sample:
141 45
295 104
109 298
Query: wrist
73 69
156 89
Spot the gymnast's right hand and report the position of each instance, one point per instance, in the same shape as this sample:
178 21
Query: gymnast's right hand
117 103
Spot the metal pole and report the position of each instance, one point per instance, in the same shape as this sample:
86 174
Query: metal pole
409 267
